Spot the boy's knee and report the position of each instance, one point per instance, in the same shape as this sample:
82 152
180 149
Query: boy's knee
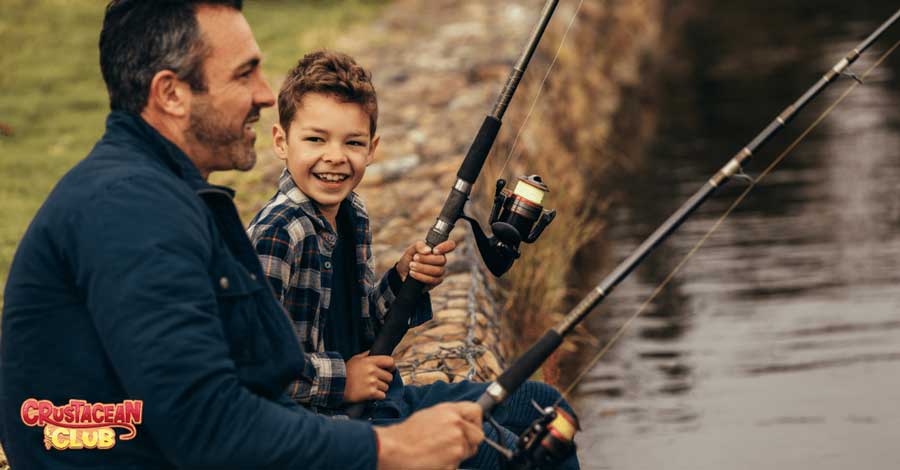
545 395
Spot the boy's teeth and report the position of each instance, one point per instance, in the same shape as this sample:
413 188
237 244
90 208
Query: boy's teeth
331 177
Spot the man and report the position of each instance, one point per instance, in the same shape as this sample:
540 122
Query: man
135 283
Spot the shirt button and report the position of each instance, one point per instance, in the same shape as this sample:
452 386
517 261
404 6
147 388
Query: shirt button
253 276
223 282
328 265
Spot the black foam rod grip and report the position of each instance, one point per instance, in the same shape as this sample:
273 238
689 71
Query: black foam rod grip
479 150
527 364
397 321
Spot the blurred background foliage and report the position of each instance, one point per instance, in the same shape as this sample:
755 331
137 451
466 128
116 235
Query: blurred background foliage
53 101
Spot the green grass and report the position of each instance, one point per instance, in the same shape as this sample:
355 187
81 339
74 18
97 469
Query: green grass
54 99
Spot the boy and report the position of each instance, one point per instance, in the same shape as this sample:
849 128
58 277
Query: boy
313 239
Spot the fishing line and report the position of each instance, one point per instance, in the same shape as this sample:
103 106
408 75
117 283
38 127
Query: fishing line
540 89
618 334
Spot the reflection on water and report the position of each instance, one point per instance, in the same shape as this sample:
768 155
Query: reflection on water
778 345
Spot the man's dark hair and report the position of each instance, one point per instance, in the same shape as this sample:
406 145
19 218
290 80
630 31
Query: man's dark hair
143 37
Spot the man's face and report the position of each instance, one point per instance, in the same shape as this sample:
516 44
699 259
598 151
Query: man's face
222 118
327 148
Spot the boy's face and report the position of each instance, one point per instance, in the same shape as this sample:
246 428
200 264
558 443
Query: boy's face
327 149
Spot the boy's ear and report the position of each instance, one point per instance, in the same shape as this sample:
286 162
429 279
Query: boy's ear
279 142
372 149
169 95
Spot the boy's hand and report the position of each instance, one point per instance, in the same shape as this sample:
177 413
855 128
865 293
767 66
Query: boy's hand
368 377
439 437
425 264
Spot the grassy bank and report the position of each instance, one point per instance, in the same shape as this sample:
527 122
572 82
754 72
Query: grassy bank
54 102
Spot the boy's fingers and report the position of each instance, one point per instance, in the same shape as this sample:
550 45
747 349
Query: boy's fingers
434 260
383 376
384 362
444 247
427 269
422 248
426 279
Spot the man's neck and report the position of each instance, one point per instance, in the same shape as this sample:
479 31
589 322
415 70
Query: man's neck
173 133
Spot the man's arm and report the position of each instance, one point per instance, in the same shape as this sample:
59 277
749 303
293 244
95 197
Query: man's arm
280 255
143 258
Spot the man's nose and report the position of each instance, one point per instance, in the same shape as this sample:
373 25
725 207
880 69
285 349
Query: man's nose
263 96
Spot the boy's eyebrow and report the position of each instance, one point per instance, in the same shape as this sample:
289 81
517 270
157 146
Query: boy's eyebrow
325 131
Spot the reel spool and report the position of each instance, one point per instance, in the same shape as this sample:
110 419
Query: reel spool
517 216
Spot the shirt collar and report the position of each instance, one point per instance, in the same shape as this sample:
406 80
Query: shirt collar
287 187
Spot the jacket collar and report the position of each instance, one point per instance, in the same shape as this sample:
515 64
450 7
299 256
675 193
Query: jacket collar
137 130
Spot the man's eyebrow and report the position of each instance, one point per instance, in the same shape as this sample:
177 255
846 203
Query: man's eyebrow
249 64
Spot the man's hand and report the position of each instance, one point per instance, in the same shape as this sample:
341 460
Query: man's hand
425 264
439 437
368 377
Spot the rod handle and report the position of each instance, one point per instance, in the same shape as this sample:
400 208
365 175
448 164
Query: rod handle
524 367
479 150
397 321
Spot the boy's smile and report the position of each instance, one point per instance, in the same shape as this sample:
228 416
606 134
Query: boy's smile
327 149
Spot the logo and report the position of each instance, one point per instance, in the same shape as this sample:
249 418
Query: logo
82 425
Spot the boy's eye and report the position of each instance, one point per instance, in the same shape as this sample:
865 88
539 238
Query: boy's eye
357 142
313 138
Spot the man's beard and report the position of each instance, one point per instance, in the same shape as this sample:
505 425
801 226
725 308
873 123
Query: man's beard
228 148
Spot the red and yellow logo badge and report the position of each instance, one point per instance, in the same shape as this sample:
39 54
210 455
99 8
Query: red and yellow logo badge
82 425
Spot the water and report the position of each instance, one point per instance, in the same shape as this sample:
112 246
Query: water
778 345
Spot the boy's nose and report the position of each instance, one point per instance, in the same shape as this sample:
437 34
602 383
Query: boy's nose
334 154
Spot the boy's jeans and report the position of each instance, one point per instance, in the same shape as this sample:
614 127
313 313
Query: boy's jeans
514 415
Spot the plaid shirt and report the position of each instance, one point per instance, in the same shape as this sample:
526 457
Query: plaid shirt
294 243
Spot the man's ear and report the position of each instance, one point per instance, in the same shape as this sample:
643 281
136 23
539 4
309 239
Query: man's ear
279 142
169 95
371 156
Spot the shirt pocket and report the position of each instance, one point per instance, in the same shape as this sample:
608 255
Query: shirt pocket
238 294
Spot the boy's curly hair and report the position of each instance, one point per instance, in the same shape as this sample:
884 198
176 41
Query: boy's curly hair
331 73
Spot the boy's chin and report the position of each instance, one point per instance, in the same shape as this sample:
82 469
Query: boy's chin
330 201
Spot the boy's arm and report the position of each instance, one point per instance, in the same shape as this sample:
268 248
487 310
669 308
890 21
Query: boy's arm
325 374
323 383
385 292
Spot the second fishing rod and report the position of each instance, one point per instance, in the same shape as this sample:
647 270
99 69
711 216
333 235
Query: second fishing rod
517 216
554 433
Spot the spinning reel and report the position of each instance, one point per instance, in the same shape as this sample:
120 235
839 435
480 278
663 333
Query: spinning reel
544 445
517 216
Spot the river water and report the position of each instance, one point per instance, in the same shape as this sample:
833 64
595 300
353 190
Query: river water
778 345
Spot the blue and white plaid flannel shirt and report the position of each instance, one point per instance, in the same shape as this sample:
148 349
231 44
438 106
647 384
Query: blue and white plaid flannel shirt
294 243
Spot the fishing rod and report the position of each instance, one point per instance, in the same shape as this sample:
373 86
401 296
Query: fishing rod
517 215
550 439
